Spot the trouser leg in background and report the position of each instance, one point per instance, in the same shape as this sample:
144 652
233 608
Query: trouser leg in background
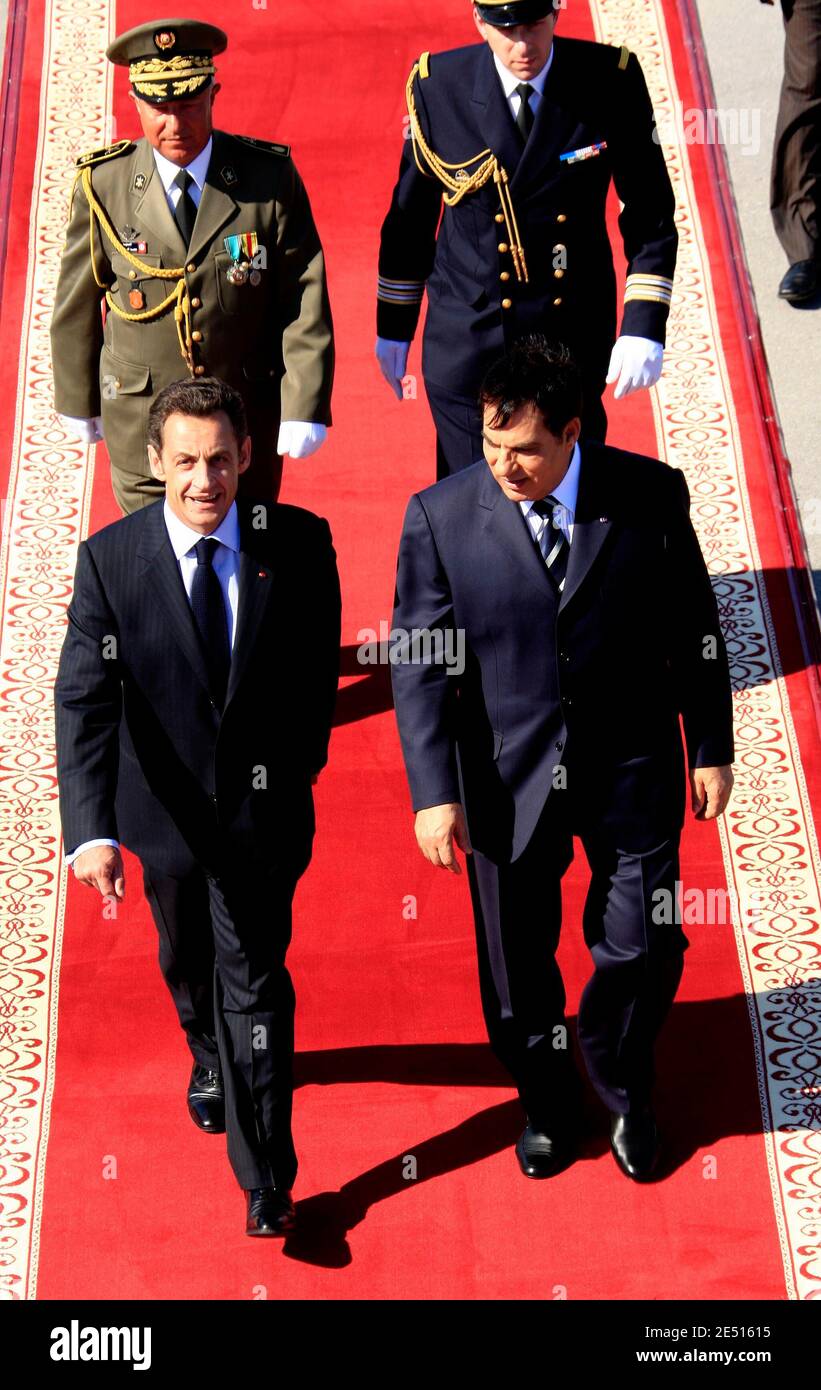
518 912
181 910
638 965
254 1013
796 168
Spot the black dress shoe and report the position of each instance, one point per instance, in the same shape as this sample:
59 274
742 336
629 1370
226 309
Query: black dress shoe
206 1100
800 282
635 1143
270 1212
541 1155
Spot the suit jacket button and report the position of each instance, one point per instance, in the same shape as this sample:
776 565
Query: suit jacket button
191 267
196 303
196 336
556 303
507 303
562 217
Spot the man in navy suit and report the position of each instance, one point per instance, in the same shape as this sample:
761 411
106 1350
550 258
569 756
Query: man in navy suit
521 137
194 701
571 579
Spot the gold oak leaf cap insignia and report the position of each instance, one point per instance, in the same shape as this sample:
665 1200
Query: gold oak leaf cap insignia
169 59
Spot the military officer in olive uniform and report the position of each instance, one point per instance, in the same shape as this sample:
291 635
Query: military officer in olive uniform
521 137
203 247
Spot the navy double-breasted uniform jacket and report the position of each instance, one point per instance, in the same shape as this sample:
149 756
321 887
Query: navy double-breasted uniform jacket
595 109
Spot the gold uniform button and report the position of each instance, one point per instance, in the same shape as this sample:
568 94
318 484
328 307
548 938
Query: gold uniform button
117 385
191 267
507 303
505 275
503 246
196 336
500 217
556 303
196 303
557 274
199 371
132 274
562 217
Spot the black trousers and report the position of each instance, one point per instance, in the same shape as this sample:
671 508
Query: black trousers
222 953
637 964
459 426
796 169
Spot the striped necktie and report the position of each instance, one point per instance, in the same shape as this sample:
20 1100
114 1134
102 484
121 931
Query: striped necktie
208 606
553 543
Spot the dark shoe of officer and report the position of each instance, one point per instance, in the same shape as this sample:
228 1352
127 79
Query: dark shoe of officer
206 1100
800 282
270 1211
542 1155
634 1140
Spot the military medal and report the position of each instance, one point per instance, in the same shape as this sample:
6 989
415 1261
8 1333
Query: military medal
136 299
242 249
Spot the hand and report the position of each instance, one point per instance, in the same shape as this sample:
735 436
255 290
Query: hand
90 429
710 789
101 868
300 438
438 828
634 362
393 360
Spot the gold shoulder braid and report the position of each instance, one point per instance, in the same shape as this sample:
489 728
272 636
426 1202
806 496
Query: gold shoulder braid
178 296
459 184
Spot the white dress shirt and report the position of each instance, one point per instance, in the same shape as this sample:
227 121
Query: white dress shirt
168 172
510 82
566 494
226 568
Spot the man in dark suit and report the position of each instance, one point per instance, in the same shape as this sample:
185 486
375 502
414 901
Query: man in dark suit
571 584
194 701
521 136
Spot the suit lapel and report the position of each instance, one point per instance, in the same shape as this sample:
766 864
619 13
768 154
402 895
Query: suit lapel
256 587
152 214
593 519
505 524
162 572
493 114
217 207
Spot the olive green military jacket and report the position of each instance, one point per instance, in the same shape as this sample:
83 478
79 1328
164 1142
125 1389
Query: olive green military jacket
272 340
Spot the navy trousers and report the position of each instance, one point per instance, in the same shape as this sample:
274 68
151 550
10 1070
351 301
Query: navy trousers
637 964
222 953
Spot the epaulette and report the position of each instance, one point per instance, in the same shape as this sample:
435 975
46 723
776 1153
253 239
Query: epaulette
109 152
624 57
282 150
424 65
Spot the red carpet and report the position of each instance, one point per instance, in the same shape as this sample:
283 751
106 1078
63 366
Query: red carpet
118 1196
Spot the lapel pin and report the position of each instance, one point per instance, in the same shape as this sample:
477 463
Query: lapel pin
261 574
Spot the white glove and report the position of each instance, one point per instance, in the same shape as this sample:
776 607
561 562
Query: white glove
90 430
300 438
393 360
634 362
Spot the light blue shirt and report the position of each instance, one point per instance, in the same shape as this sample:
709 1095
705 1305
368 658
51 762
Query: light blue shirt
198 168
226 568
566 493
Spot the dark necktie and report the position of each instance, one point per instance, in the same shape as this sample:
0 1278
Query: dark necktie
524 116
553 545
208 607
185 213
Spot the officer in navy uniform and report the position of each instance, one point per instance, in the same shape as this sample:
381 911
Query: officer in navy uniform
521 137
203 248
